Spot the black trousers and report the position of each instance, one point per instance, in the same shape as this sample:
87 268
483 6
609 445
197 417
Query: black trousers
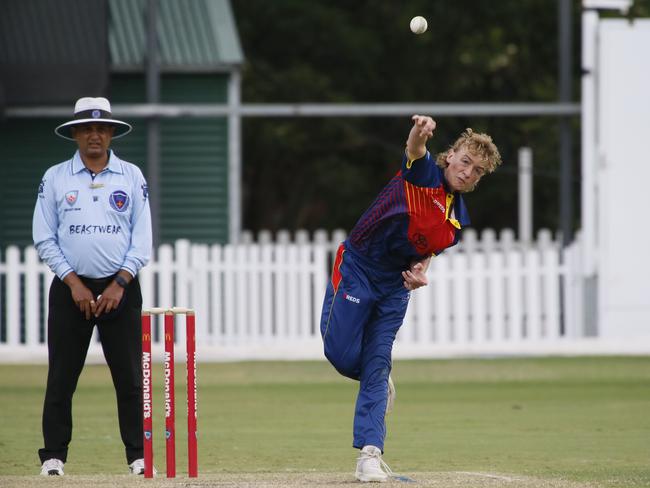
69 335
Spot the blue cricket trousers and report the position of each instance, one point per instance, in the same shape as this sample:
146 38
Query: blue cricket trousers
363 309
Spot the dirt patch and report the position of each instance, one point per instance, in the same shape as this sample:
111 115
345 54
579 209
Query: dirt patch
278 480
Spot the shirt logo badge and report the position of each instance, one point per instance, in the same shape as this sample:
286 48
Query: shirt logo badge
419 241
119 200
71 197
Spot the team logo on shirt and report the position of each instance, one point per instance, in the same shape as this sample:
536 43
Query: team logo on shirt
119 200
439 205
71 197
419 241
41 188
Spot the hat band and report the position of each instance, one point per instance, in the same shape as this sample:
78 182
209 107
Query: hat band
93 114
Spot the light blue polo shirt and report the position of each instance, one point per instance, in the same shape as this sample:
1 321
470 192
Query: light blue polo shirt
93 224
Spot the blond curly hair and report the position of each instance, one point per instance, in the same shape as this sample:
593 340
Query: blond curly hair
477 144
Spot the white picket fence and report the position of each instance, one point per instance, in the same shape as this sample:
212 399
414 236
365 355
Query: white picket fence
262 298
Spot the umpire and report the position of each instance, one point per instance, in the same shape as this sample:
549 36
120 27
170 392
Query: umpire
92 226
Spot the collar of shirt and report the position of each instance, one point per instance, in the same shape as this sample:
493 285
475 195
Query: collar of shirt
445 185
114 163
459 209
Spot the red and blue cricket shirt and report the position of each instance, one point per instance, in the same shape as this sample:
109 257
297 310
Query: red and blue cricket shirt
414 216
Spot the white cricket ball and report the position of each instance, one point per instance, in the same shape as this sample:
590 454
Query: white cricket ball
418 24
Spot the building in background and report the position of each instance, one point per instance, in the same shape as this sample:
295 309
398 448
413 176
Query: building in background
52 53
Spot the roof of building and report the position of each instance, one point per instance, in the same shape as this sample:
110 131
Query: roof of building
197 35
51 51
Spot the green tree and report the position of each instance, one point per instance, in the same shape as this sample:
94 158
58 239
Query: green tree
323 172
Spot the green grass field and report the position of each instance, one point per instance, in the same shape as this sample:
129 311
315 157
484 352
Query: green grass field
582 420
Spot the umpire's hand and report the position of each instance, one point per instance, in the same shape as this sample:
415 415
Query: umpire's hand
109 299
83 298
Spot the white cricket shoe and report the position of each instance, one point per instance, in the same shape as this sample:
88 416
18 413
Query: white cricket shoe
137 467
392 394
52 467
371 467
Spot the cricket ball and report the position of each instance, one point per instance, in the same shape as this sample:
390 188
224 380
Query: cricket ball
418 25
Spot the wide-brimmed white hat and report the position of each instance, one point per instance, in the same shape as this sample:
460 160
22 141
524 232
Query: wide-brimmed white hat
97 110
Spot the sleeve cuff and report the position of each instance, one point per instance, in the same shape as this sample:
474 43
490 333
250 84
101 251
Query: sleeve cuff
63 274
129 270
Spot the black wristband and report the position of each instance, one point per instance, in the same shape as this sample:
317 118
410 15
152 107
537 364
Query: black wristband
121 281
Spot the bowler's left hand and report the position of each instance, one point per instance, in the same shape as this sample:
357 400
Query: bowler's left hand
415 277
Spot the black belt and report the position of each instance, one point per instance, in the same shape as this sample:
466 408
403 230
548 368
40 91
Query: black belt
98 281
